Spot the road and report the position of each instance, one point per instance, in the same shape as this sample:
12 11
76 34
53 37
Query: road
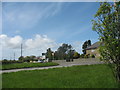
62 63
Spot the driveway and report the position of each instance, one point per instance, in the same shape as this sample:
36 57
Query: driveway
62 63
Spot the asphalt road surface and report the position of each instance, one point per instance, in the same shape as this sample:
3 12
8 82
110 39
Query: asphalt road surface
62 63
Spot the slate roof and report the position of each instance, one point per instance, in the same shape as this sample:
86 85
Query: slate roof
94 46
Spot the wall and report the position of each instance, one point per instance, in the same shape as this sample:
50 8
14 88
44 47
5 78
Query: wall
94 52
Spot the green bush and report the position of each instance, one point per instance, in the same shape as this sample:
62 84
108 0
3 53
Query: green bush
87 56
82 56
76 55
92 56
5 61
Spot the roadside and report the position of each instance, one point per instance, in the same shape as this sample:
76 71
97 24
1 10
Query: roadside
26 65
62 63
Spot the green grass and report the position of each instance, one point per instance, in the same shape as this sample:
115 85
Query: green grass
26 65
88 76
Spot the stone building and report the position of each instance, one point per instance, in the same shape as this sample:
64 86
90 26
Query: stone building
93 49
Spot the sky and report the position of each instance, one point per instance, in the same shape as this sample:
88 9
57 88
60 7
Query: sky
42 25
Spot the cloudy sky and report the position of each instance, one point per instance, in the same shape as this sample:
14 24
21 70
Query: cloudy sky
40 25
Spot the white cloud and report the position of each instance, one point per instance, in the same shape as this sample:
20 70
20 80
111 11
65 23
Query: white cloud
32 46
10 42
15 41
39 41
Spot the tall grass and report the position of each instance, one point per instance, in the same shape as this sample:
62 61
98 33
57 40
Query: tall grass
87 76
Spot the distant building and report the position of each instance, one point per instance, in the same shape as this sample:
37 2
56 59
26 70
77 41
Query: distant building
43 56
93 49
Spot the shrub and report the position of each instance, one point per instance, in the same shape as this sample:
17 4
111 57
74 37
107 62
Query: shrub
87 56
82 56
67 60
92 56
5 61
76 55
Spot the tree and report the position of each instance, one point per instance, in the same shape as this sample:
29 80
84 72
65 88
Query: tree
70 54
33 58
21 58
49 54
63 51
85 45
27 59
107 25
56 55
76 55
88 43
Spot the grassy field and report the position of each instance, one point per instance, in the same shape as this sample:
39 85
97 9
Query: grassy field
87 76
26 65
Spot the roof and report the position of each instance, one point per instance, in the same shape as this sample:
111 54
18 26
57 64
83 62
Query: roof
94 46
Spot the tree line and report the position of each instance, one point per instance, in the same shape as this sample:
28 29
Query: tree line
64 52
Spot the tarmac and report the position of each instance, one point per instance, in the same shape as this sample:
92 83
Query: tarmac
62 63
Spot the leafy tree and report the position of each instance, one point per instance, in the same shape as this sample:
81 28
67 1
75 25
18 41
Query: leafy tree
27 59
43 54
21 58
85 45
49 54
107 25
70 54
88 43
56 55
33 58
76 55
63 51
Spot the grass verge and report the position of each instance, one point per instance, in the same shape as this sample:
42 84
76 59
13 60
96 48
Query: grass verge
27 65
87 76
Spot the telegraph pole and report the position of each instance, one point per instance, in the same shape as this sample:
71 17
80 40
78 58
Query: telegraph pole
21 49
14 55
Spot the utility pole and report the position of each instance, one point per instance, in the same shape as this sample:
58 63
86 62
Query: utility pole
14 55
21 49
